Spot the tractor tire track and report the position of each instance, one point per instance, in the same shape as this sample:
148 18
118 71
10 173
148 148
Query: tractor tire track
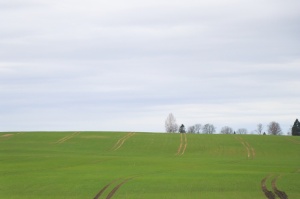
112 193
183 144
121 141
180 146
62 140
5 137
104 188
114 190
280 194
292 140
242 142
250 150
268 194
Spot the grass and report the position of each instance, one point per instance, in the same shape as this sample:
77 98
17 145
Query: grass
63 165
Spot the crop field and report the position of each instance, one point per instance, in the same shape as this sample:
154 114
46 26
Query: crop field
121 165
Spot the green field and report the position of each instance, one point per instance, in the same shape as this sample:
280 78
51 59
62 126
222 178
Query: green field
73 165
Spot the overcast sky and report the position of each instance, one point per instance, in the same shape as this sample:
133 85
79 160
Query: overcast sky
125 65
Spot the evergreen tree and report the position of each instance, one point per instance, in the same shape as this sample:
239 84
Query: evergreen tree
296 128
182 129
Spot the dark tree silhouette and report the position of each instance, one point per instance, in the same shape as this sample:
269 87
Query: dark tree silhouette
296 128
182 129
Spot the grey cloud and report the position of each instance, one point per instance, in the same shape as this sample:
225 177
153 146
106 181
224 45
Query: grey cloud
138 61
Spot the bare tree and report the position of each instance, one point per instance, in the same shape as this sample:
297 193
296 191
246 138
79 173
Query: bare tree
290 130
195 128
260 128
242 131
274 128
170 124
226 130
209 129
192 129
198 128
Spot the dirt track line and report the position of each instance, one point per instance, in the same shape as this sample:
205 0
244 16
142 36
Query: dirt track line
249 148
253 152
248 151
104 188
5 137
242 142
180 146
121 141
268 194
67 137
280 194
115 189
62 140
118 142
132 134
185 144
111 194
252 149
292 140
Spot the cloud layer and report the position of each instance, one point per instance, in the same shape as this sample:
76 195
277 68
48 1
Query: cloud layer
115 65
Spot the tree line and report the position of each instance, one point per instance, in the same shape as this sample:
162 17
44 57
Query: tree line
273 128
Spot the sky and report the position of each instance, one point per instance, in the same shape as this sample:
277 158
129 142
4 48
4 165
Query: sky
114 65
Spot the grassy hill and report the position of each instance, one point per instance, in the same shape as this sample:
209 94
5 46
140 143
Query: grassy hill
86 165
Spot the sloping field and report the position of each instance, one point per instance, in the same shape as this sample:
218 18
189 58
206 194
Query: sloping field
87 165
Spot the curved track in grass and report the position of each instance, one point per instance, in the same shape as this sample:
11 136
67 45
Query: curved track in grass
183 144
5 137
104 188
280 194
250 150
293 141
64 139
111 194
114 190
268 194
121 141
